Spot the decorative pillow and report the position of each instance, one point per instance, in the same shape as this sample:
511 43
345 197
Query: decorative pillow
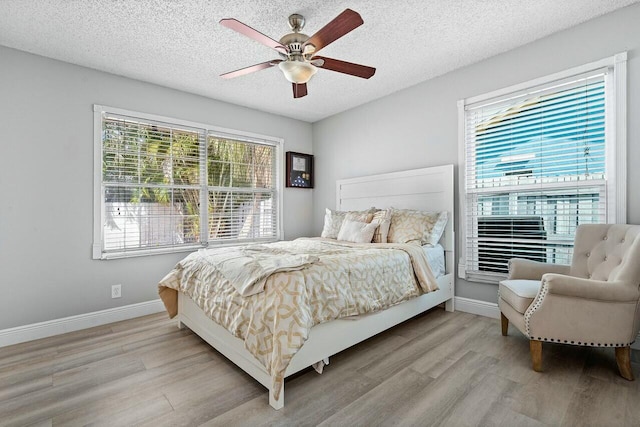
333 220
383 219
356 231
411 226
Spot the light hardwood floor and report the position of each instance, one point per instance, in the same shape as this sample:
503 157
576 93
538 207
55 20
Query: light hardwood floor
450 369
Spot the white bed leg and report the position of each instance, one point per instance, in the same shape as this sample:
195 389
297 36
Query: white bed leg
448 305
180 324
276 404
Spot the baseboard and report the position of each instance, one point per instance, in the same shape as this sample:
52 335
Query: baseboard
50 328
475 306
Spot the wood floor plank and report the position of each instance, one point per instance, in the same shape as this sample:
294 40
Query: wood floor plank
121 411
437 359
546 397
48 344
588 403
440 368
490 341
63 399
71 385
476 406
367 352
119 339
423 323
152 320
42 423
56 364
308 398
384 404
601 364
11 359
438 401
406 354
201 398
502 416
16 389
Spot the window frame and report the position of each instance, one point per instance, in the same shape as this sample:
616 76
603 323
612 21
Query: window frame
615 140
208 130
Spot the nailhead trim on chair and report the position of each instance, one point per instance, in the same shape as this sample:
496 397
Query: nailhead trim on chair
536 304
583 344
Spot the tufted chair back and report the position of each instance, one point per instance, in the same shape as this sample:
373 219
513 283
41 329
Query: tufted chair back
607 252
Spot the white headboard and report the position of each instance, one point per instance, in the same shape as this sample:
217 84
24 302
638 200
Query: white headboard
427 189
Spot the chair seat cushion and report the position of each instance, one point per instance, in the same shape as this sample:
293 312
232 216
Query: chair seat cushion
519 293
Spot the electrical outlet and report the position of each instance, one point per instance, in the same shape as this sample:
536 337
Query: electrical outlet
116 291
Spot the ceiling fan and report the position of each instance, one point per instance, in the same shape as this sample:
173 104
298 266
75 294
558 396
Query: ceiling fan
298 51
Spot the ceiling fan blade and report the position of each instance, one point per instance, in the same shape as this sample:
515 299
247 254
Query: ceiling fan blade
299 90
345 67
342 24
256 35
251 69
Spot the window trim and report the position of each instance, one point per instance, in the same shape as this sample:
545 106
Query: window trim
98 195
616 133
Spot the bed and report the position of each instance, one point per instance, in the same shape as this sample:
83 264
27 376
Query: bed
428 189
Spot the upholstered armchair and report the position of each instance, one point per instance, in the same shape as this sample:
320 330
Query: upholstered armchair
593 302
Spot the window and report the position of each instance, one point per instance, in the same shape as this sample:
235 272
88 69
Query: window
165 185
540 159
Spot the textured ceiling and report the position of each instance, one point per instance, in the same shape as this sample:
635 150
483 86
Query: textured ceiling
179 44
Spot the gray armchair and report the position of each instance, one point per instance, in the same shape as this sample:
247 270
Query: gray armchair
593 302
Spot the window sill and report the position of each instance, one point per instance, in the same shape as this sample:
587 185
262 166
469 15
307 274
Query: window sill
99 255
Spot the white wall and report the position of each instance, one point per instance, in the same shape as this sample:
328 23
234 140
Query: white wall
417 127
46 165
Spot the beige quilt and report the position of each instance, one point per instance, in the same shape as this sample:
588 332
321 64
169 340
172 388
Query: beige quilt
345 279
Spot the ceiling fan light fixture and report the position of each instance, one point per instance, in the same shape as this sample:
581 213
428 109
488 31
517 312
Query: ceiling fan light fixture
297 71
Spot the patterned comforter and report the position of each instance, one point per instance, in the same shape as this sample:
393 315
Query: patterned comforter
346 279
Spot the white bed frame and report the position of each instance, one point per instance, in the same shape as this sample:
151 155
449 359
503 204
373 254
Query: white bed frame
429 189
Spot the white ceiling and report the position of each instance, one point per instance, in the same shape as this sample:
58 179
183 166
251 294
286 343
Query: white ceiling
179 44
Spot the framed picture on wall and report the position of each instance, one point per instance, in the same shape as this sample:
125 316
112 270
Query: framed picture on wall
299 170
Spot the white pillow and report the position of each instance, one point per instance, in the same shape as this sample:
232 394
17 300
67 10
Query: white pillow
357 231
333 220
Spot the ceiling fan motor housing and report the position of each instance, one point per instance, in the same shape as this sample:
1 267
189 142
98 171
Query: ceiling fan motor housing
294 41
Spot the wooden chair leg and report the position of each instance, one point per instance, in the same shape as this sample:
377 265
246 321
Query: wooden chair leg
535 347
504 322
623 359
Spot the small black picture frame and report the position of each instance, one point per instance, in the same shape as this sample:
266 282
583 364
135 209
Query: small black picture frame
299 170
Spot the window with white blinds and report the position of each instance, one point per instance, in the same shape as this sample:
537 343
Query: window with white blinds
536 166
165 185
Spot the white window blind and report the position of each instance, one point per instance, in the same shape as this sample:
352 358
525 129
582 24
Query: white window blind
241 190
535 168
174 186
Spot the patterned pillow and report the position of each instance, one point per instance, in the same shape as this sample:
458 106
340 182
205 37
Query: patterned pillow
333 220
356 231
411 226
383 219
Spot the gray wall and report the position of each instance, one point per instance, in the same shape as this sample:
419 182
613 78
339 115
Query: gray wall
417 127
46 184
46 158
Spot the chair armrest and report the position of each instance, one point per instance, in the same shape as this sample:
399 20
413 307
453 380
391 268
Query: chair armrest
599 290
533 270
